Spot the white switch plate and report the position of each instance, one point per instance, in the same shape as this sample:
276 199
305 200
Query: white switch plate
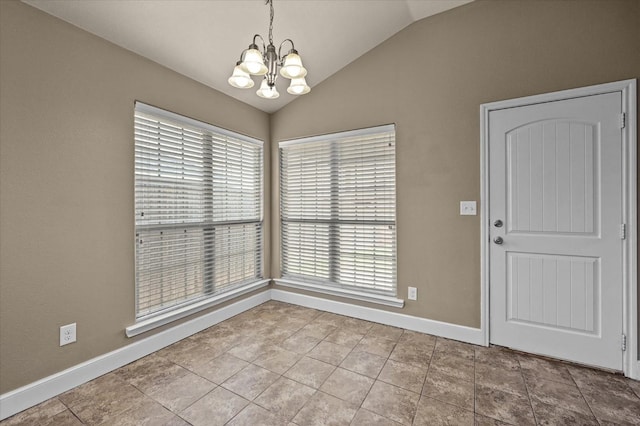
413 293
467 208
67 334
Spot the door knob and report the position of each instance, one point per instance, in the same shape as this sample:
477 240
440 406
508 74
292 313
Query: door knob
497 223
498 240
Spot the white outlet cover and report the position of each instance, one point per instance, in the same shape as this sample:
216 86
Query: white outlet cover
413 293
67 334
467 208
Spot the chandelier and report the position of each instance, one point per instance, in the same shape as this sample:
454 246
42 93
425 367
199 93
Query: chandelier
266 62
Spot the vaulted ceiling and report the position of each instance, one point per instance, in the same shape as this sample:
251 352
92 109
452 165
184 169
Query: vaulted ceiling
204 39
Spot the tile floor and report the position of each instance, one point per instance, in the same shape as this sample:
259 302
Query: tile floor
281 364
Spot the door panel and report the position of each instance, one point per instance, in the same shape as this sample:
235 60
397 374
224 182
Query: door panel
555 181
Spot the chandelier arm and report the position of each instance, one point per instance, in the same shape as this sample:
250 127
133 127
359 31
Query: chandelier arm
280 48
264 47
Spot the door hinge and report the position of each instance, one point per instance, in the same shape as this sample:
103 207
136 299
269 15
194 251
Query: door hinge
622 120
623 231
624 342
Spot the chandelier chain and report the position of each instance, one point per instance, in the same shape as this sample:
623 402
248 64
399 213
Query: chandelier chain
270 2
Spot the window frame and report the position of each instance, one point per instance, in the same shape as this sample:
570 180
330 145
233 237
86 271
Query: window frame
206 297
330 285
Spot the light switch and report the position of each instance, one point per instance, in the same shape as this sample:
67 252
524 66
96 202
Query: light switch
467 208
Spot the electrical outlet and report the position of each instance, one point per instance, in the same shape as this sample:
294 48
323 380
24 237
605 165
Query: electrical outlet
67 334
413 293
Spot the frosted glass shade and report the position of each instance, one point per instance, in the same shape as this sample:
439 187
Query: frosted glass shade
240 79
267 92
292 67
253 63
298 86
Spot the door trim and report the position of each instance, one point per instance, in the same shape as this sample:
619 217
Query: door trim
631 364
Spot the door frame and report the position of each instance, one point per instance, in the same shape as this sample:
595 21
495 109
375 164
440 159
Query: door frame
630 363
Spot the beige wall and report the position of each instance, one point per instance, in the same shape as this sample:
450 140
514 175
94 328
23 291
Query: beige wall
66 185
430 80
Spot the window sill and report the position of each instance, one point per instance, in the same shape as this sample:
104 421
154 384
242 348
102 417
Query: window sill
351 294
157 321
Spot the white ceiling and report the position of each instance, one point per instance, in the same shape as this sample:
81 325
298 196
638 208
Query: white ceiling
204 39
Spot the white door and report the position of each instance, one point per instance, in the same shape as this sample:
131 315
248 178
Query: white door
555 209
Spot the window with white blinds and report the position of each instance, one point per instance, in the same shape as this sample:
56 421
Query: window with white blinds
337 195
198 210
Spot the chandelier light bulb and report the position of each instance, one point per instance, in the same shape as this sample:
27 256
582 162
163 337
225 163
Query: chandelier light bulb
240 79
292 67
266 91
253 62
298 86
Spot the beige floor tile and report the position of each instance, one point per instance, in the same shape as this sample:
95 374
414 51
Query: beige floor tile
347 385
407 376
541 368
364 363
385 332
502 379
411 352
219 369
547 414
497 357
433 412
147 413
254 415
300 343
217 407
330 353
250 382
558 394
609 407
310 372
325 410
319 330
417 338
41 414
488 421
251 350
367 418
504 406
285 397
356 325
392 402
453 347
331 319
277 360
175 387
449 389
375 345
344 337
102 398
635 386
453 365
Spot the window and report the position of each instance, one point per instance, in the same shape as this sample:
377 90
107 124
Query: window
198 211
337 195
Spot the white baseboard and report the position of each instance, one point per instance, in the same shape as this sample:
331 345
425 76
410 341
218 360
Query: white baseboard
423 325
34 393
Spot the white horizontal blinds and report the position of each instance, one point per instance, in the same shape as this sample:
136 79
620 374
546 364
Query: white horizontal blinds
338 209
198 204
